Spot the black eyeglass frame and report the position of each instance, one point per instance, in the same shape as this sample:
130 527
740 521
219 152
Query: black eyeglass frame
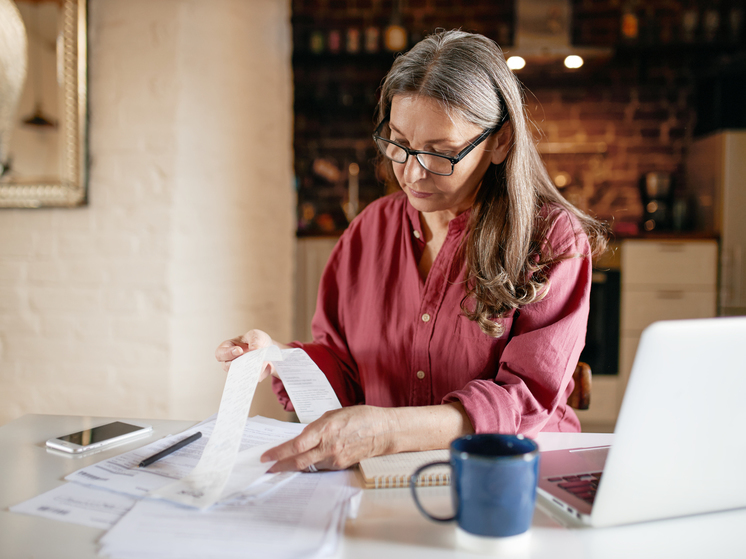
459 156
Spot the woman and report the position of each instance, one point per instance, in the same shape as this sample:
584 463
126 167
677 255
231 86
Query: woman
459 304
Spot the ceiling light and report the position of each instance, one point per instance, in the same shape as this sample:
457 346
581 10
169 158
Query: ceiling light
573 61
516 63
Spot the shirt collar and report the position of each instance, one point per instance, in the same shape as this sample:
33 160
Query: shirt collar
456 225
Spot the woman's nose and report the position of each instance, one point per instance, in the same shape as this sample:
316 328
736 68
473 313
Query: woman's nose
413 171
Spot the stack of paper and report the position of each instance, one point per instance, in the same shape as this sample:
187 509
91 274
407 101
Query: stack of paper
303 518
125 482
214 498
122 474
275 515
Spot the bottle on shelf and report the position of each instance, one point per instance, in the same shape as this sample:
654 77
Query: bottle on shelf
735 23
689 23
353 40
372 39
334 41
711 22
395 36
316 42
630 22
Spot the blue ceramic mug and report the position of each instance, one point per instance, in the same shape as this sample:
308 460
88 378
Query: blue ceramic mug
493 484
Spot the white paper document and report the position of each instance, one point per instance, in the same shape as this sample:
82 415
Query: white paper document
79 504
310 392
306 385
123 475
301 519
100 508
205 483
100 494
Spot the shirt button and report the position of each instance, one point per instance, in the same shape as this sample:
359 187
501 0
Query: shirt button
416 234
425 317
420 374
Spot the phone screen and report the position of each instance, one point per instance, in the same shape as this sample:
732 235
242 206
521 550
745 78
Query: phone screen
101 433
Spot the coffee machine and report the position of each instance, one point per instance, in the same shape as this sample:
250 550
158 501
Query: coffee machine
656 192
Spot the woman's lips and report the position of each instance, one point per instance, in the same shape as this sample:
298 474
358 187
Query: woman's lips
418 194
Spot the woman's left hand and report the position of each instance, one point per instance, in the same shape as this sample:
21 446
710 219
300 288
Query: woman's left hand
337 440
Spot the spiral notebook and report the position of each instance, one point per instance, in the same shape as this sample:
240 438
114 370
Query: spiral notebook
394 470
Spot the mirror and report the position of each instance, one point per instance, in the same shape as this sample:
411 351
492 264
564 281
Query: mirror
43 103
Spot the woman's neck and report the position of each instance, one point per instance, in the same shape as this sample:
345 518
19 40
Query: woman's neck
435 231
435 224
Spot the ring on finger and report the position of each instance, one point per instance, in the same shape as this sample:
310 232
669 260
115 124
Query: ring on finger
312 468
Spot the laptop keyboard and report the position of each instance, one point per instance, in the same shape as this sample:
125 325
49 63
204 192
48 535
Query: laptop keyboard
583 486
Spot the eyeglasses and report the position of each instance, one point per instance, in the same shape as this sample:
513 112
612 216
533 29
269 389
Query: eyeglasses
436 163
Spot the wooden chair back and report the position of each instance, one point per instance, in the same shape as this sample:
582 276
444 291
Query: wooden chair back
580 398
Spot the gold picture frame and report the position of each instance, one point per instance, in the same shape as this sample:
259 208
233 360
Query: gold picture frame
67 186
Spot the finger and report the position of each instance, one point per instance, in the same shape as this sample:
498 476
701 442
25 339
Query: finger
286 450
255 339
268 368
303 461
323 464
251 340
303 443
230 349
298 463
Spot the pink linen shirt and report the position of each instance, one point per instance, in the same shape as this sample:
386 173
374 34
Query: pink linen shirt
383 336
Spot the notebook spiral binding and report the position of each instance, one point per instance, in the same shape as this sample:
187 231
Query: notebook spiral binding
423 480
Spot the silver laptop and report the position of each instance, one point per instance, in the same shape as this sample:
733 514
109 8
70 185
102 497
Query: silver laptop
680 439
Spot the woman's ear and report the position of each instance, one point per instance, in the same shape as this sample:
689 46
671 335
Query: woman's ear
504 141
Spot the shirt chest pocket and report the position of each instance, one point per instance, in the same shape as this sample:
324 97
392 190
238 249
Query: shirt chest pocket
475 354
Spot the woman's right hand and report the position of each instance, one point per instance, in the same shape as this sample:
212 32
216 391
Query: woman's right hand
251 340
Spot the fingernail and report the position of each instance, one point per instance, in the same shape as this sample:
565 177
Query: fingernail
236 351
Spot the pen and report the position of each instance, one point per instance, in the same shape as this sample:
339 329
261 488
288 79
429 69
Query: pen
170 450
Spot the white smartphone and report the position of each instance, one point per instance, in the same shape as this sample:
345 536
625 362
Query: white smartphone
99 437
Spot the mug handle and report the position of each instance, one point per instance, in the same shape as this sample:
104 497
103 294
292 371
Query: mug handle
413 487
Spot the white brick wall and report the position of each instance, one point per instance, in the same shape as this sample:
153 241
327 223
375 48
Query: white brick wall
116 308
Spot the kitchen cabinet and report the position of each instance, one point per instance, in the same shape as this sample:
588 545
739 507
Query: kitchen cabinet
667 279
312 254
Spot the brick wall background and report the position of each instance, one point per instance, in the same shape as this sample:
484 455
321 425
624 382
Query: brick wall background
115 308
643 103
638 122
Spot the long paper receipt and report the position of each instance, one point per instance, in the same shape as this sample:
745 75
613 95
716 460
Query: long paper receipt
309 391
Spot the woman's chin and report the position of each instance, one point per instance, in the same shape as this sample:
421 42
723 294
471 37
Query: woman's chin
422 204
422 201
430 203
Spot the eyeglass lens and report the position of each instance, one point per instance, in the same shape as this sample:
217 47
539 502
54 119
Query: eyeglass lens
433 163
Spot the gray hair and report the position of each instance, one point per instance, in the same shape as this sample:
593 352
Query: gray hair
461 70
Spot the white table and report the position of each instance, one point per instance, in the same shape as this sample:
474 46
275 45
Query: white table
388 524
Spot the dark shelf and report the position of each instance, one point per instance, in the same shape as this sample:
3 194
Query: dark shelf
378 59
681 49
